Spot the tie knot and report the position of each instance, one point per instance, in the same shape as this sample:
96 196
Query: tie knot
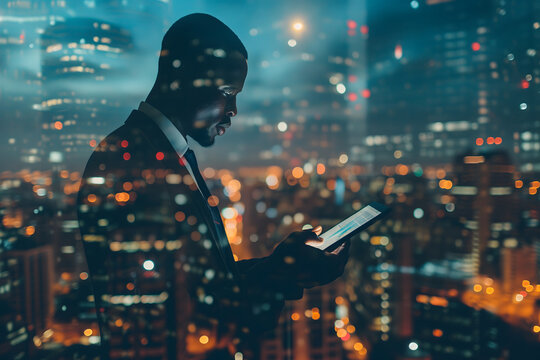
189 155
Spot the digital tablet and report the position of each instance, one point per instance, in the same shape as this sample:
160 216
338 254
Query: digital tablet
351 226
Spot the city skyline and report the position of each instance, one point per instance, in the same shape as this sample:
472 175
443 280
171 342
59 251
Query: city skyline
428 106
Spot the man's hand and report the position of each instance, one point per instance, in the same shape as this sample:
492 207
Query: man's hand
292 259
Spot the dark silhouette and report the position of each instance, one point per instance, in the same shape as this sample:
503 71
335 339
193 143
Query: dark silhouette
165 281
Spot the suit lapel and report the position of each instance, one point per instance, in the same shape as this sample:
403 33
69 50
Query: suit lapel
212 218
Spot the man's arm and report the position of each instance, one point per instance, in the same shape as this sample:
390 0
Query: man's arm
259 275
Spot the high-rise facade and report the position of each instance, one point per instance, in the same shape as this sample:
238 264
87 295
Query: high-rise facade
79 58
482 186
447 76
34 297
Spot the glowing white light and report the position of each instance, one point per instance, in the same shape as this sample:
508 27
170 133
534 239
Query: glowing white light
220 53
308 168
414 4
298 218
340 88
228 213
418 213
271 180
292 43
148 265
343 158
282 126
413 346
56 156
287 220
180 199
209 274
97 180
523 106
298 26
334 79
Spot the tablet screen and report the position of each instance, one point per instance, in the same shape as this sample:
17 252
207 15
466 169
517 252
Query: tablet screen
346 227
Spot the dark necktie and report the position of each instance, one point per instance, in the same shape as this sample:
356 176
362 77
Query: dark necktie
224 246
190 157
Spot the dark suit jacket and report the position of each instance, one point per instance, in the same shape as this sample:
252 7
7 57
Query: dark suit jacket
165 281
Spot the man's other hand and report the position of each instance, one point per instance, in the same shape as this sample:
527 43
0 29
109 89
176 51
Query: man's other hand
308 266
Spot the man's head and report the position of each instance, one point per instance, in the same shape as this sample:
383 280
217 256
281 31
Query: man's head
202 67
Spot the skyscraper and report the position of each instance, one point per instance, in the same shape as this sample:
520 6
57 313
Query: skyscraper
483 185
34 297
80 58
440 86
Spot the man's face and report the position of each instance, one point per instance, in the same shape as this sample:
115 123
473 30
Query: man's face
212 100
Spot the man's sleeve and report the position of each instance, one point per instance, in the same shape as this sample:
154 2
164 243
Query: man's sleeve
259 275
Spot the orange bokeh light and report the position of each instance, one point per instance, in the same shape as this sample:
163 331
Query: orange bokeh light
179 216
297 172
402 169
213 200
30 230
122 197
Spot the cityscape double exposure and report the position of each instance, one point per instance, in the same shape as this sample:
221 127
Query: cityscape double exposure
110 230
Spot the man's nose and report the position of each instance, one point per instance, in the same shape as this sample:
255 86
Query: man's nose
231 108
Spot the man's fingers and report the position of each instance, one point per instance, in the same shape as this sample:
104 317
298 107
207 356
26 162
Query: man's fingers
338 250
317 230
301 238
311 236
316 240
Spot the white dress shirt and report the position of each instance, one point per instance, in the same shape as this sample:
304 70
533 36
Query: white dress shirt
171 132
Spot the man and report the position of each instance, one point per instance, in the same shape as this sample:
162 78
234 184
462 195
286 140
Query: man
165 281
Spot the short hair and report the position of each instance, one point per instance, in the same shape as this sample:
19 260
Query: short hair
192 38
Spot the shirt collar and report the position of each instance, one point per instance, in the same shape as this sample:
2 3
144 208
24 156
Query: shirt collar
175 137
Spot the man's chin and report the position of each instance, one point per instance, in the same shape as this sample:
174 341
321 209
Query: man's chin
205 141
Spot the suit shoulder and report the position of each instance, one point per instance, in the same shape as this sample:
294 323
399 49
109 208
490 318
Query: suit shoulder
124 148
